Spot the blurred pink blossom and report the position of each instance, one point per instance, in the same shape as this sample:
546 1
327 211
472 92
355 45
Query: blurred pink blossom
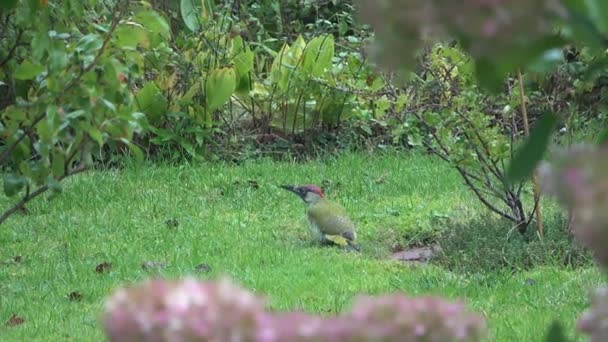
578 178
189 310
594 322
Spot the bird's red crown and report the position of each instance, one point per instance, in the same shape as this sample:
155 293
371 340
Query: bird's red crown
315 189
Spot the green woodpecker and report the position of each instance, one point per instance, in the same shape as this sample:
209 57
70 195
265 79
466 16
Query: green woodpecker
328 221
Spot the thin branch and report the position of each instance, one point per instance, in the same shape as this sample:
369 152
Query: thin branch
29 196
11 52
465 176
483 199
12 146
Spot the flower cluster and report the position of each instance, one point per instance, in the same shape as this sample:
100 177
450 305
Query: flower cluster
401 318
487 28
579 179
188 310
595 321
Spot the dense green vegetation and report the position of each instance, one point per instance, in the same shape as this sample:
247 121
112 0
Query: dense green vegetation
235 220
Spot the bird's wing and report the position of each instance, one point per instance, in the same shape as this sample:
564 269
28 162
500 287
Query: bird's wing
337 239
331 219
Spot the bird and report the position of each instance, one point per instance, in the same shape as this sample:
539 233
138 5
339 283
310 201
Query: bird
328 221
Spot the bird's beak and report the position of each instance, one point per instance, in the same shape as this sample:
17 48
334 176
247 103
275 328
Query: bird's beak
290 188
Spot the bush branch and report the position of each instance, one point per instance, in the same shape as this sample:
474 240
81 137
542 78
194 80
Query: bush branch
31 195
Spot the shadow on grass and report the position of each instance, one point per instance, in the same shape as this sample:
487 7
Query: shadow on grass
489 245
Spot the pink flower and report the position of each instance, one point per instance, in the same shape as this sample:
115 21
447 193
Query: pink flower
578 177
189 310
594 322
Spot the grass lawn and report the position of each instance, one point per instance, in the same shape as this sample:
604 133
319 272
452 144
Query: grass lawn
237 221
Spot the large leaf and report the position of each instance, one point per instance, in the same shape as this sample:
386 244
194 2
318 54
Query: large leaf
220 85
150 100
28 70
154 23
191 14
318 55
527 158
243 62
580 23
279 71
492 73
599 12
129 36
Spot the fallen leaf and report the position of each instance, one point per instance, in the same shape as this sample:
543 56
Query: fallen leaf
417 254
202 268
15 321
153 265
75 296
103 267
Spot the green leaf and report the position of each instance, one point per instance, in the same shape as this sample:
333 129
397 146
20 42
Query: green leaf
243 86
96 135
90 43
530 154
58 163
58 59
13 183
243 62
599 13
154 23
318 55
584 29
54 185
219 87
28 70
150 100
279 71
137 152
491 73
556 333
190 10
129 36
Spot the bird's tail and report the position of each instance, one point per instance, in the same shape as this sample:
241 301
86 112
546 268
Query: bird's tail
340 240
351 246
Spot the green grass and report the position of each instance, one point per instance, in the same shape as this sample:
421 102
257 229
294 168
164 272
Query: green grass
259 237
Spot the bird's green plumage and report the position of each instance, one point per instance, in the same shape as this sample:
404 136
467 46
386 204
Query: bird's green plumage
328 221
331 219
